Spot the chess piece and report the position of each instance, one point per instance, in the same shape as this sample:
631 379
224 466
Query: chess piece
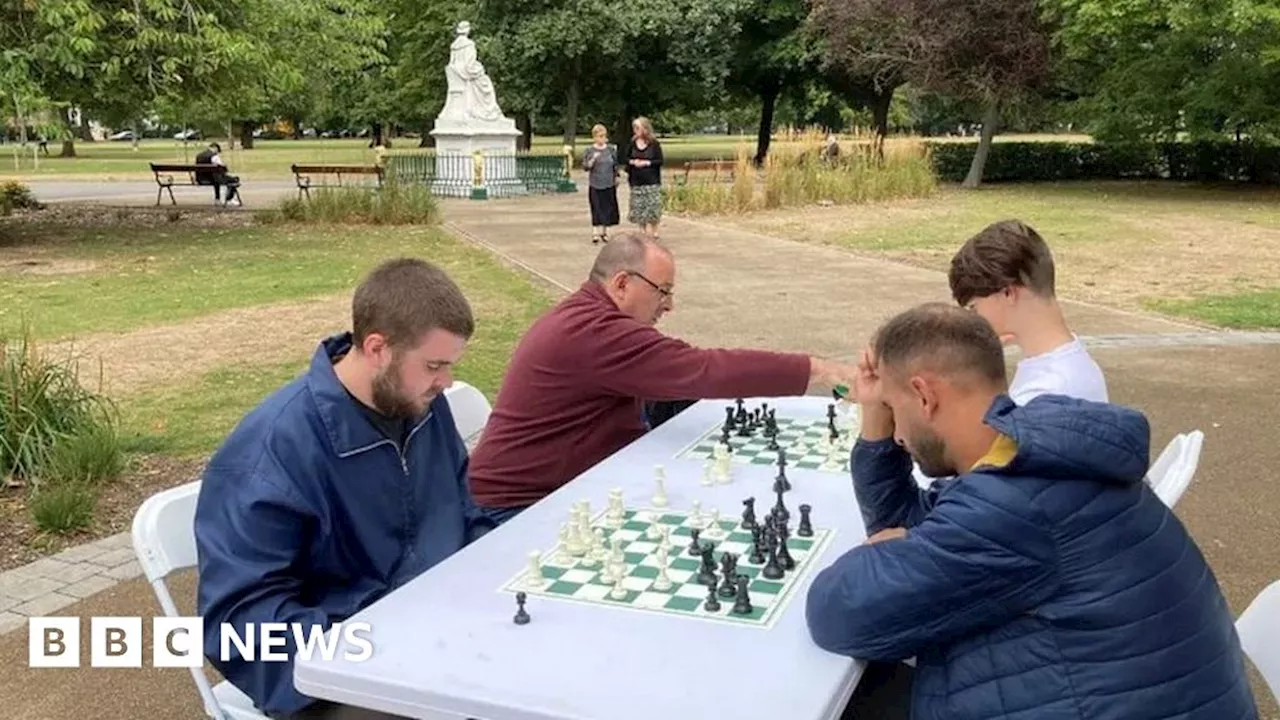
707 573
713 603
780 509
618 592
533 574
662 583
784 553
728 417
742 601
806 527
728 571
695 547
757 545
749 513
706 474
695 515
772 570
522 616
660 483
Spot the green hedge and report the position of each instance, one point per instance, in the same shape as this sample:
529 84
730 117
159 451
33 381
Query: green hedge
1040 161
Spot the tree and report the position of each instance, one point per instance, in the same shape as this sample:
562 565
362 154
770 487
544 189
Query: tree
1159 71
772 52
983 51
864 50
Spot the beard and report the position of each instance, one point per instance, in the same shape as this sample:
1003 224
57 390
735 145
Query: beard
930 453
389 397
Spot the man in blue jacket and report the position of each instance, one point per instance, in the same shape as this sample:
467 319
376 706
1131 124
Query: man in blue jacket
1045 580
341 486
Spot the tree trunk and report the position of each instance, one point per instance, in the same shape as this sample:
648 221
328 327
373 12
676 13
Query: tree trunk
989 119
571 103
246 135
22 120
524 123
768 101
68 136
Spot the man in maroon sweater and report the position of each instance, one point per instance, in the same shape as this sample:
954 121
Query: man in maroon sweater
575 389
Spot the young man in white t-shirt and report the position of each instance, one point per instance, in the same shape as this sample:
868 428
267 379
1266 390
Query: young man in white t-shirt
1005 273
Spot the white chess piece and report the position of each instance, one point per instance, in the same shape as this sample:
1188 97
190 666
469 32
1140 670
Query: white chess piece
714 531
663 581
706 474
618 592
660 491
533 574
568 546
723 475
695 516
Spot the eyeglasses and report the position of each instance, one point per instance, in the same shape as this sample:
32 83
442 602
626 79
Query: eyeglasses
661 290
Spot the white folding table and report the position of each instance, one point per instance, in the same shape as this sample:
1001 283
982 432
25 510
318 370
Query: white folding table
445 645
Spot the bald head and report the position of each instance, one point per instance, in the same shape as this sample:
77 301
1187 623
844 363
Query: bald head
639 274
627 253
943 340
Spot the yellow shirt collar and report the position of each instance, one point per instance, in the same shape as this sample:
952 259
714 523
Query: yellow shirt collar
1001 453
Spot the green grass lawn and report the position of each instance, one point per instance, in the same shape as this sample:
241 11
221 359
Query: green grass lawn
152 277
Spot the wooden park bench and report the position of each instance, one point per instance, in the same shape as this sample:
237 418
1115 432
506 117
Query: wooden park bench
719 169
304 173
168 175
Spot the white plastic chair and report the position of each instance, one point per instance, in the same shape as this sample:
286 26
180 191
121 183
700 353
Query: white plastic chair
1259 630
470 409
164 540
1171 474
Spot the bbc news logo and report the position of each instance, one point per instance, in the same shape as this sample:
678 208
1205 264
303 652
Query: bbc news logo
54 642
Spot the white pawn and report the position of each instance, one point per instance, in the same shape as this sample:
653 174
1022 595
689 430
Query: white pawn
706 474
714 531
618 592
695 517
533 575
660 493
663 581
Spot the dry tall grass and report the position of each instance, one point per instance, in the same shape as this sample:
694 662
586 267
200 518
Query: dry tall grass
799 172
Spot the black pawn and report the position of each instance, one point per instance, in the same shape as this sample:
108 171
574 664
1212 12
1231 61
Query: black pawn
727 587
780 509
707 573
749 513
772 570
806 527
742 603
695 547
522 617
713 603
757 545
784 554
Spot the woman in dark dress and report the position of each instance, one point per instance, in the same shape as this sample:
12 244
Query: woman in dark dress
601 163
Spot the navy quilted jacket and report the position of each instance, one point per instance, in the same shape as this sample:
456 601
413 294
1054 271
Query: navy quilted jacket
1050 585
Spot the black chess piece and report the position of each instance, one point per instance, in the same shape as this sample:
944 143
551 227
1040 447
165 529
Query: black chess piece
784 553
695 547
772 569
749 513
728 416
831 413
780 508
806 527
713 603
522 617
707 573
742 601
728 570
757 545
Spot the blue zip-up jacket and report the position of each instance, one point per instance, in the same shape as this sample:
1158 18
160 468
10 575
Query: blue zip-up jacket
1047 582
308 514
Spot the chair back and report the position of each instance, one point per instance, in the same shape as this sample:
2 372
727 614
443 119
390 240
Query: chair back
1259 630
470 409
164 540
1171 477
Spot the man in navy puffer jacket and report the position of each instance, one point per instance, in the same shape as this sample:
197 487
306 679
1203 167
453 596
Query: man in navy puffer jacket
1045 580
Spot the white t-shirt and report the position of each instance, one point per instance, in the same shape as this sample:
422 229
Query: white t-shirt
1065 370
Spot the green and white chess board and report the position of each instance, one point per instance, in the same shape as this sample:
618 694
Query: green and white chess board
577 572
806 441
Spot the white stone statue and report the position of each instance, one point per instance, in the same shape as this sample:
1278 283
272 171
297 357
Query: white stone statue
471 96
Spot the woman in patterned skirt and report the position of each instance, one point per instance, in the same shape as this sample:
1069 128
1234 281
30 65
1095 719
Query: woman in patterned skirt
644 175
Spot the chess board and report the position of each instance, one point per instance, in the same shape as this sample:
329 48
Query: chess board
803 440
568 578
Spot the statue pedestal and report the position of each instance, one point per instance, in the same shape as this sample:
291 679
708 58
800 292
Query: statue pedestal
457 144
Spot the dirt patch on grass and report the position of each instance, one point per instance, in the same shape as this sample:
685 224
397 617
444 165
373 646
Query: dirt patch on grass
38 266
134 361
22 542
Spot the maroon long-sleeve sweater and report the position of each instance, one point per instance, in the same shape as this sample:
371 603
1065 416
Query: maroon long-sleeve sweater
575 388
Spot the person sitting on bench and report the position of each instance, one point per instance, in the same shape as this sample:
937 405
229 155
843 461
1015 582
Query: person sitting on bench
212 155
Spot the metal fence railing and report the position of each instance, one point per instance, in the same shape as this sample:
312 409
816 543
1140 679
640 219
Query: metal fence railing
487 174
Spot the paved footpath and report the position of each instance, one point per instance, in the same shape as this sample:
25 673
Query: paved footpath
736 288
